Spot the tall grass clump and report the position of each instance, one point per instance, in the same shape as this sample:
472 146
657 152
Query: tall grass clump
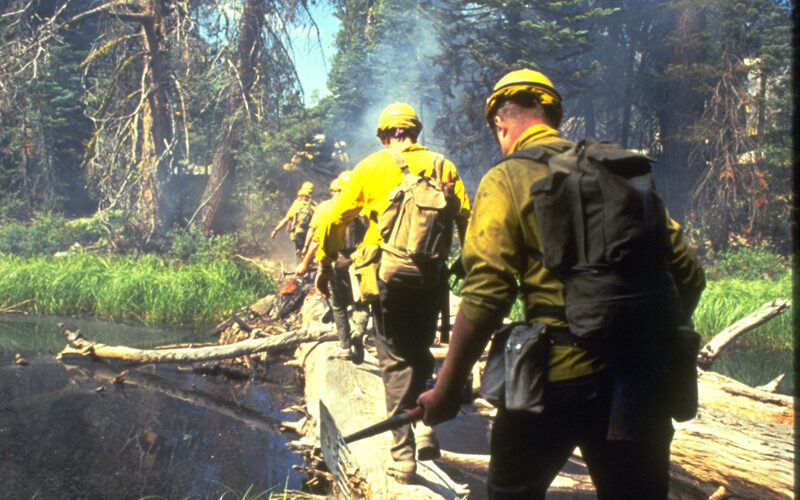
726 301
145 289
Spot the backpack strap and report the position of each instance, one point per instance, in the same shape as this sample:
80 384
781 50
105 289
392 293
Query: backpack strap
535 154
540 154
437 172
399 160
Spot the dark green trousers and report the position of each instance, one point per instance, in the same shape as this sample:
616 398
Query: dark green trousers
405 327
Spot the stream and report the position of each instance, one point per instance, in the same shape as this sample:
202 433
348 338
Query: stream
67 430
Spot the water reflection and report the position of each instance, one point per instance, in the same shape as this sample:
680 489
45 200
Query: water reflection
756 367
163 431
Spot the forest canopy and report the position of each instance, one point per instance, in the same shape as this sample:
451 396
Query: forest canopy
177 114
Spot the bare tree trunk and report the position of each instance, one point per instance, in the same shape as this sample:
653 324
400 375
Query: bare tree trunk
155 135
223 166
627 97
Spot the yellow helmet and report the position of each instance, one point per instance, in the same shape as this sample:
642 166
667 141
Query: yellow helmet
398 115
335 186
306 189
525 80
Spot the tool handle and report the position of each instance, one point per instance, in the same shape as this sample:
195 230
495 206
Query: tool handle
390 423
414 414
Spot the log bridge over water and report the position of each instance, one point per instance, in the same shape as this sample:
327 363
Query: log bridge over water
740 445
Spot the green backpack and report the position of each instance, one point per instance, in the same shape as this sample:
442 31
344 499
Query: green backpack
302 218
603 230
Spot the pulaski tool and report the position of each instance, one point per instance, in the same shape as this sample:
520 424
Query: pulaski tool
390 423
334 447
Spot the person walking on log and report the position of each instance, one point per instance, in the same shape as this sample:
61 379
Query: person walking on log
607 402
403 295
298 218
351 340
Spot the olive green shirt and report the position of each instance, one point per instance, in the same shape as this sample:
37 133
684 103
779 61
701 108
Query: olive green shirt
502 239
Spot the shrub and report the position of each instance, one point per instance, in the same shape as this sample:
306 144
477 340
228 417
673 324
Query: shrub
45 234
728 300
746 263
191 245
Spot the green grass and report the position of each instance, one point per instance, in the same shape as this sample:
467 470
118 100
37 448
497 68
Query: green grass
726 301
144 290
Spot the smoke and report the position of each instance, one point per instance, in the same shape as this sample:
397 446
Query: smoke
399 68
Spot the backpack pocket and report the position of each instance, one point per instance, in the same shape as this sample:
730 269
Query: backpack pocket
516 372
366 260
402 270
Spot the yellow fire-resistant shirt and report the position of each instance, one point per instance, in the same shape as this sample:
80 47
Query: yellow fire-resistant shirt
368 192
319 217
499 260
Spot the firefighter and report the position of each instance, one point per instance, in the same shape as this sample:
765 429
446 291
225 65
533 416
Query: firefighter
298 218
309 249
404 319
351 340
500 257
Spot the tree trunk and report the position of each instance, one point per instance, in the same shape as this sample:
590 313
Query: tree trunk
625 126
223 166
681 107
155 136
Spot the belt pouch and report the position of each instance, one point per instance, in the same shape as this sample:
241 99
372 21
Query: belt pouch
516 370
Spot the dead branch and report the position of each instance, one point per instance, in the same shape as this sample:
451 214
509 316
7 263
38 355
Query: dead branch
766 312
78 345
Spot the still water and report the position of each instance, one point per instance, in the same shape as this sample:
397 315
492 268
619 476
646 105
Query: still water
758 366
164 432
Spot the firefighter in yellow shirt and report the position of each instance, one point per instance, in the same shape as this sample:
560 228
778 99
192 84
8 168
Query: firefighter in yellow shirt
298 218
404 318
351 340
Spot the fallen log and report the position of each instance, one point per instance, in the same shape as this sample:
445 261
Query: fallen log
711 350
78 345
742 439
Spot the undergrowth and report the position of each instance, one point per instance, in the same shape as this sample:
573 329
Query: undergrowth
146 289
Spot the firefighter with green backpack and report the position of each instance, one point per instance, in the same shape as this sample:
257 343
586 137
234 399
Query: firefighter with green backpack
608 285
411 197
298 218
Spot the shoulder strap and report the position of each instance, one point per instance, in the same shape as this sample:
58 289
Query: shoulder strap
535 154
437 172
399 160
539 153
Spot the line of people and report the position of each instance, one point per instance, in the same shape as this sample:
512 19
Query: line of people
355 250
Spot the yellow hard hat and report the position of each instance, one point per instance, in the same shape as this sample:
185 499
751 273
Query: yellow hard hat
398 115
524 80
335 186
306 189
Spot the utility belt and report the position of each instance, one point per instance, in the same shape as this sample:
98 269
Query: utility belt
560 336
516 370
515 375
